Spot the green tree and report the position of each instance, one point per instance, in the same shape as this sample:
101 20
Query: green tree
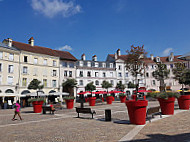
105 84
120 86
135 62
68 85
90 87
35 84
161 73
187 77
131 85
179 73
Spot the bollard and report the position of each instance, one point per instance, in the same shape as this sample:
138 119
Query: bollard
108 115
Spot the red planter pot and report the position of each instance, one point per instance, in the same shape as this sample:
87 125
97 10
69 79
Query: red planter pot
122 99
92 101
134 97
137 111
109 99
37 106
167 106
184 102
70 103
113 99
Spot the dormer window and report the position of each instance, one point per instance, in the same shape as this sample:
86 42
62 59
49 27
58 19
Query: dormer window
157 59
170 59
96 64
81 63
103 65
89 64
111 65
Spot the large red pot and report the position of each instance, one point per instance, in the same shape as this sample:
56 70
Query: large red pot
37 106
109 99
134 97
113 99
184 102
70 103
92 101
122 99
167 106
137 111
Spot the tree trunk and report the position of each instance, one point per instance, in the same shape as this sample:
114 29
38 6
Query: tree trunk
162 85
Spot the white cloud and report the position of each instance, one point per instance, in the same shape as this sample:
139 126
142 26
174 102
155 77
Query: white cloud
167 51
51 8
66 47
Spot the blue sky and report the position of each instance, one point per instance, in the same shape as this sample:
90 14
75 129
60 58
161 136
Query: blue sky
99 27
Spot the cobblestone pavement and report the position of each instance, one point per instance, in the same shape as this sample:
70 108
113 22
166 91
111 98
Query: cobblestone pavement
64 126
175 128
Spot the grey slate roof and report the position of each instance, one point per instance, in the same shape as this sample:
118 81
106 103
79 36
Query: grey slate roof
184 56
5 46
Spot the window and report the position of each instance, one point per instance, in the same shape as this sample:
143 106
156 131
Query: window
89 74
81 82
10 80
45 82
119 67
126 74
54 73
153 82
35 60
119 74
25 59
81 63
1 55
71 65
97 82
103 65
111 65
89 64
54 63
111 74
152 66
0 67
65 73
24 82
45 61
96 74
11 56
70 73
112 82
81 74
96 64
25 70
54 83
10 69
147 74
171 66
104 74
64 64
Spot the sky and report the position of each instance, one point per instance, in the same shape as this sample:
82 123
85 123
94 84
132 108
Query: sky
99 27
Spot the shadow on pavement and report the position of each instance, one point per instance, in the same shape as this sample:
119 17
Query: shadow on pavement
27 111
165 138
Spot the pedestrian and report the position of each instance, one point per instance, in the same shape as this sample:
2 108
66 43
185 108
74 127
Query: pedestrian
17 111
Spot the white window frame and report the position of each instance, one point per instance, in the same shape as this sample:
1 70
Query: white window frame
10 82
10 69
11 56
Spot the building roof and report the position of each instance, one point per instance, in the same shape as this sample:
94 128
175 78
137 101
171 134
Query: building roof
43 50
185 56
5 46
122 57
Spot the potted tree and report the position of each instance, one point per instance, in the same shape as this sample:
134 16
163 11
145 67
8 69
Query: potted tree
68 86
122 96
91 87
136 66
181 75
36 102
106 85
166 99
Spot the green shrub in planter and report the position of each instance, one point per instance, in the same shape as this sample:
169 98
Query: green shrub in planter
35 99
69 98
109 95
122 94
164 95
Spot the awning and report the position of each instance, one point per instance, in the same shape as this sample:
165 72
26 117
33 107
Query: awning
59 93
8 95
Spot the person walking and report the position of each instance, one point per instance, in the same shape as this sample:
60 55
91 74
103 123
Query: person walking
17 111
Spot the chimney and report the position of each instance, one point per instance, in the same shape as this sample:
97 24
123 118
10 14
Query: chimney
115 55
10 41
118 52
94 58
31 41
83 57
151 57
